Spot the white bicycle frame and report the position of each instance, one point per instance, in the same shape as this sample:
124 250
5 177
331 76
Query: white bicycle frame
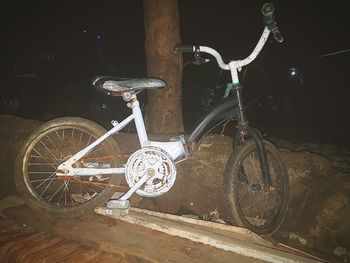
175 148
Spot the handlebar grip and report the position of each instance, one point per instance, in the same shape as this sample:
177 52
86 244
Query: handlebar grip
184 48
267 11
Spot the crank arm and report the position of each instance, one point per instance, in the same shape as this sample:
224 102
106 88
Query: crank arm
135 187
90 171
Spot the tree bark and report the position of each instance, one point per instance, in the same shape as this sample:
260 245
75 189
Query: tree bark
164 110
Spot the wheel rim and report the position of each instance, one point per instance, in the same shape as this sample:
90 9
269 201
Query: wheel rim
50 149
259 207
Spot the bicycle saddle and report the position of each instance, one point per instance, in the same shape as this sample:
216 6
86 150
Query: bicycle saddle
116 86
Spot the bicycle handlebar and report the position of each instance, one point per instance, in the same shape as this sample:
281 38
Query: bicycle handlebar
270 26
217 56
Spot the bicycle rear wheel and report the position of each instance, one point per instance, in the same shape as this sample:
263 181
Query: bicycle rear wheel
247 202
53 143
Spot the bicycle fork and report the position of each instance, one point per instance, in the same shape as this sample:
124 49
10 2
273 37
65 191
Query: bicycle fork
244 130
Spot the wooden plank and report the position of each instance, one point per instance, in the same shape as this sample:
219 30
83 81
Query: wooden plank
224 237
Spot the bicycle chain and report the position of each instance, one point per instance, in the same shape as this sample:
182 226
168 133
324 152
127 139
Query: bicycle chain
72 178
98 158
107 157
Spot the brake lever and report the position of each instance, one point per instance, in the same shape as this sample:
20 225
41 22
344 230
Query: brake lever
277 34
198 60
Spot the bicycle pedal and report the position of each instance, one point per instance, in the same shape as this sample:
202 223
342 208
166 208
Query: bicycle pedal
118 207
114 123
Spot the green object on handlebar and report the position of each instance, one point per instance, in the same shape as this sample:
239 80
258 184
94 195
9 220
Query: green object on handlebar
183 48
267 11
229 88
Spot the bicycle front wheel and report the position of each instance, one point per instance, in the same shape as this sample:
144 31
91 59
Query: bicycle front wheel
53 143
247 202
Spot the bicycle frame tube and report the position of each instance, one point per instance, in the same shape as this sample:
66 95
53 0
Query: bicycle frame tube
174 148
140 125
67 168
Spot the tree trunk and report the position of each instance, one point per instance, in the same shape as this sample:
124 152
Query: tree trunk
164 111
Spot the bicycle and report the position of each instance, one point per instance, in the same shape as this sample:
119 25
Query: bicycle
70 164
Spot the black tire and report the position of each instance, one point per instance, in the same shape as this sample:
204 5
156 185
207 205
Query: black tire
261 211
48 146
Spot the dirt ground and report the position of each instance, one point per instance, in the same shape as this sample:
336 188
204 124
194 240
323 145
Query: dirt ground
318 219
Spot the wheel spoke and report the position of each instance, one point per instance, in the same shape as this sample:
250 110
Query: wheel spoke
42 172
44 158
48 178
254 206
56 192
65 192
38 164
95 151
43 144
69 194
46 187
245 192
39 180
89 141
81 189
80 137
55 144
62 154
255 169
61 139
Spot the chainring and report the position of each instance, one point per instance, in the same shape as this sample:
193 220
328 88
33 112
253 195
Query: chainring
157 164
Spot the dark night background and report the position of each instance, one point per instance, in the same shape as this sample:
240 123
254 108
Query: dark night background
51 50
